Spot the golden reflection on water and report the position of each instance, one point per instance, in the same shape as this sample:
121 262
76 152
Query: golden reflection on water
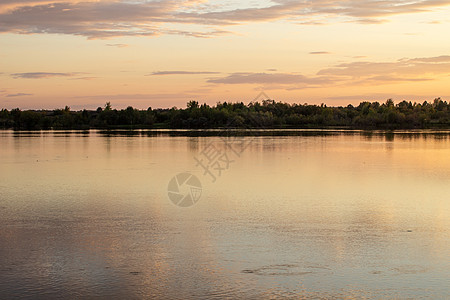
299 215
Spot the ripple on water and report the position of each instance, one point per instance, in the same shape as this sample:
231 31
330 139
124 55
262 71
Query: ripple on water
284 270
401 270
410 269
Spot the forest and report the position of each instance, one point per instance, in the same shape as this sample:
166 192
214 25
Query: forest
266 114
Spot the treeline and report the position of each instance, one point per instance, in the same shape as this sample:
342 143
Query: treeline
267 114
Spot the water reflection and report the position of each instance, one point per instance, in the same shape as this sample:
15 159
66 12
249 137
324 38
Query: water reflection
301 214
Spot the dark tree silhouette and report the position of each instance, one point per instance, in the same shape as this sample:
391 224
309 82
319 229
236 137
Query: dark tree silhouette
268 114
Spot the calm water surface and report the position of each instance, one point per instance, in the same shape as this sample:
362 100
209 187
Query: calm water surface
326 214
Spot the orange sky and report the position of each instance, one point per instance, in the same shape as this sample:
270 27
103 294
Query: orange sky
164 53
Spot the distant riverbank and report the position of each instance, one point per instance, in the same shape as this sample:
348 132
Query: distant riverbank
266 115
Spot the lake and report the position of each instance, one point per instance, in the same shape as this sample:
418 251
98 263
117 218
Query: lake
267 214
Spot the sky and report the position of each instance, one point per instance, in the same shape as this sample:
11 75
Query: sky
161 54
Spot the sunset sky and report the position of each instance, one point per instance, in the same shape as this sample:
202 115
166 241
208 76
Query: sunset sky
164 53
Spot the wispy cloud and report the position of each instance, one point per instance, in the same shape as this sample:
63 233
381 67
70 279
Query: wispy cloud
100 19
84 78
365 11
357 73
273 80
18 95
409 67
117 45
311 23
41 75
382 97
114 18
319 52
381 78
161 73
369 21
